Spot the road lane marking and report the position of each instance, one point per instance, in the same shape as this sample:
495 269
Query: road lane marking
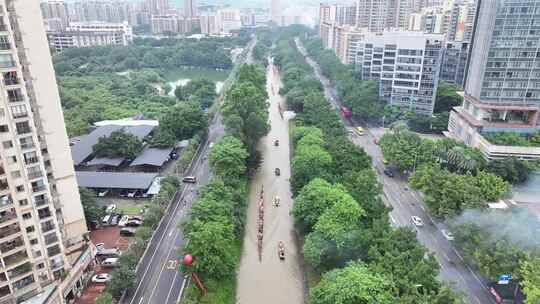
422 207
457 253
185 282
392 218
162 268
171 264
477 300
172 286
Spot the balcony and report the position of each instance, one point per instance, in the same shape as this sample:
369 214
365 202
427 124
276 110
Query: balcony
10 80
5 201
10 245
3 27
5 46
15 97
35 174
20 115
39 188
6 64
22 284
41 201
15 258
46 228
20 270
4 185
7 216
44 213
9 230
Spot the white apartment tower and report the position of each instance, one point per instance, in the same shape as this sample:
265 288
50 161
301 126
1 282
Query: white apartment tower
42 227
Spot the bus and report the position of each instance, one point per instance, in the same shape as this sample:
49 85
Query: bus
360 130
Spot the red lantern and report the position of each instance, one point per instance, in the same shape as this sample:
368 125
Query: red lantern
188 259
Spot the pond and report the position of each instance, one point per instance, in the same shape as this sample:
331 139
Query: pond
180 77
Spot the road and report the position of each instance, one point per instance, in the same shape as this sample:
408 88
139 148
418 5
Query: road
405 203
158 278
270 280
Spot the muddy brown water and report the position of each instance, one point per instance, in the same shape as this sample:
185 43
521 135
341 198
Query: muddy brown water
271 280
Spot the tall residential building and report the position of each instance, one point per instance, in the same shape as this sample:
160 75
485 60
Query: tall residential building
86 34
158 7
502 86
55 14
190 8
209 24
228 20
405 64
332 16
454 62
373 14
43 247
165 24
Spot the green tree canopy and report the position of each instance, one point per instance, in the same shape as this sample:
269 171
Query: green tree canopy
530 272
228 158
92 211
184 120
118 144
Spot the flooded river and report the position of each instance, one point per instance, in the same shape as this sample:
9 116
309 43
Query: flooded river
271 280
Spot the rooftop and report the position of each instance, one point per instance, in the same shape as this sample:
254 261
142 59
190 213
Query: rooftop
115 180
152 157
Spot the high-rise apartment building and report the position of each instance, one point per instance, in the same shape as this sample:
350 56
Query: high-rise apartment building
190 8
331 16
454 62
405 64
502 86
275 11
158 7
43 250
55 14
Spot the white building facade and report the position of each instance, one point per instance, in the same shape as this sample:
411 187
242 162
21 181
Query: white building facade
86 34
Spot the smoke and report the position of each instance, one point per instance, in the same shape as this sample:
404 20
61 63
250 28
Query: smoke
516 225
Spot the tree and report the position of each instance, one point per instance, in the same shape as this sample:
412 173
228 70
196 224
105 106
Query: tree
406 149
347 156
184 120
163 138
202 91
363 186
312 200
228 158
122 280
530 272
354 284
490 185
118 144
92 211
104 298
309 162
212 245
512 170
447 97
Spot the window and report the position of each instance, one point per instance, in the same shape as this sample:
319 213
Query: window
34 172
6 61
4 128
7 144
30 229
23 127
40 265
27 216
53 250
19 111
20 188
16 174
30 157
23 202
33 241
26 142
15 95
38 185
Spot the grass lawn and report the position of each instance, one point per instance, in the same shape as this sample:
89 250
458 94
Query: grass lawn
126 206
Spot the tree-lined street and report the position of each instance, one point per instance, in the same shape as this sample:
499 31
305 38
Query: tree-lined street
407 203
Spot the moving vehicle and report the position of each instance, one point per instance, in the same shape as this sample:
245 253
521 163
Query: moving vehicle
100 246
417 221
189 179
447 234
384 161
110 262
346 112
281 250
359 130
388 172
101 278
123 221
277 172
276 142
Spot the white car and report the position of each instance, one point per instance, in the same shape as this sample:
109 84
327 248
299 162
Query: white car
110 208
101 278
447 234
110 262
417 221
123 221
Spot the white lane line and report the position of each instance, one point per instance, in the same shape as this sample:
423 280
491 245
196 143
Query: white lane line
446 256
477 300
422 207
162 268
457 253
172 286
184 284
141 300
392 218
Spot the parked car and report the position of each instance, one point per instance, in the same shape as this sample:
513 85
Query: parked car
189 179
128 231
388 173
417 221
136 217
133 223
106 220
110 208
101 278
124 193
447 234
108 253
131 193
110 262
115 218
100 246
123 221
102 192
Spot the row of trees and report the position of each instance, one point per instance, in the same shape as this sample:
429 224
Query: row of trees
362 97
454 177
338 209
172 53
216 221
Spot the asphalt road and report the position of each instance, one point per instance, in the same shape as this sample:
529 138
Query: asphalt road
158 278
406 203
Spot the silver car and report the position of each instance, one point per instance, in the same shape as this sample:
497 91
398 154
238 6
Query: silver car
417 221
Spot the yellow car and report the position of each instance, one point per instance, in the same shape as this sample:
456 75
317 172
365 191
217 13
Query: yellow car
360 131
384 161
